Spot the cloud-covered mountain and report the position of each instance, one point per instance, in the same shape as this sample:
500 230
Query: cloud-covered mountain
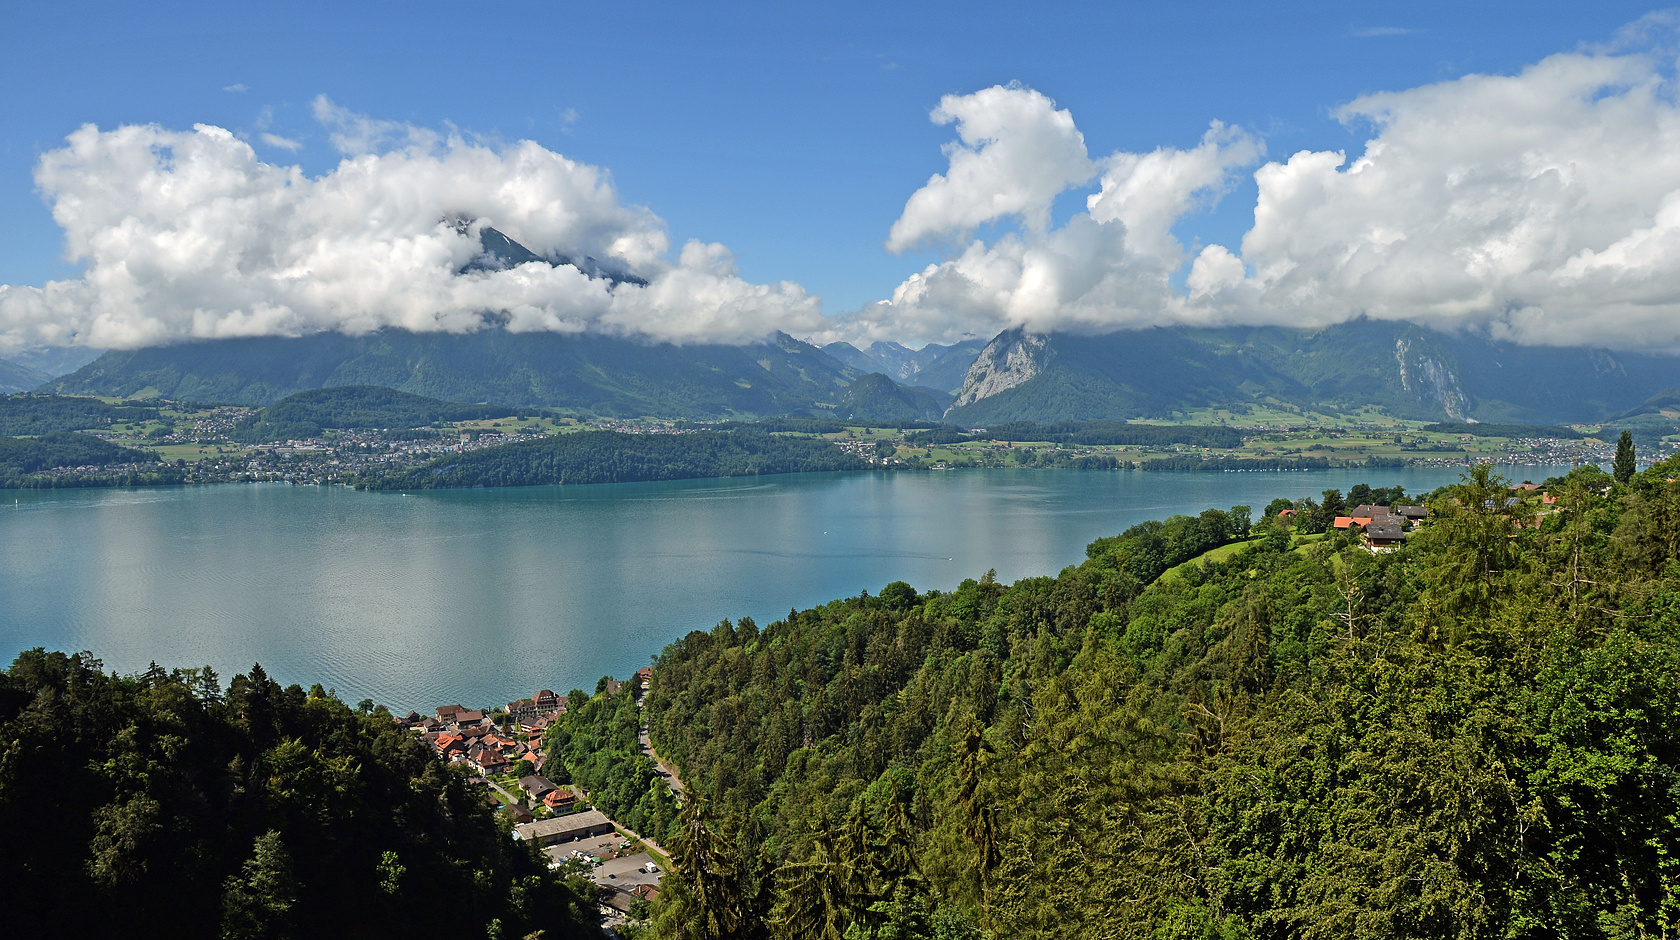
1409 370
1539 208
188 235
602 374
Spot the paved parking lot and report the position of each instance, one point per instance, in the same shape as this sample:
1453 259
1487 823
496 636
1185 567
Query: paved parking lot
625 873
601 846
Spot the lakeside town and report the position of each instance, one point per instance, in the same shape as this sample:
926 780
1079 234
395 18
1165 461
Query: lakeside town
196 444
503 751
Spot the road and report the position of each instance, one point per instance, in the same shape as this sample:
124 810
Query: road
671 778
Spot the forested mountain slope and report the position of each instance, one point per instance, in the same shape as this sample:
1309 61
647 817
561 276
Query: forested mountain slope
1475 736
305 414
602 374
613 457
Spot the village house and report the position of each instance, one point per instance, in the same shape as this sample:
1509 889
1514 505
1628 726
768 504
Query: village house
1384 536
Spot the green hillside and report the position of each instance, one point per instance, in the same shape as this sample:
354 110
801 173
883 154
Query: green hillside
306 414
612 457
1474 736
600 374
875 397
39 414
21 456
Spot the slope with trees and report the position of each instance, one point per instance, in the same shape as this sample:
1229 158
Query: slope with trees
135 805
1474 736
614 457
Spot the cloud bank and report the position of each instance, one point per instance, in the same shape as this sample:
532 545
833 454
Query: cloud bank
187 234
1541 207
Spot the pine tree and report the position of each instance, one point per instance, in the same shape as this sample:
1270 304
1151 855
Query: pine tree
1626 459
257 901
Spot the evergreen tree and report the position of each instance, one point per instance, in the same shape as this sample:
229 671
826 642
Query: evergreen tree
1626 461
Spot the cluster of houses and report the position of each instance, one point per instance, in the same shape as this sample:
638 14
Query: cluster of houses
1385 527
469 736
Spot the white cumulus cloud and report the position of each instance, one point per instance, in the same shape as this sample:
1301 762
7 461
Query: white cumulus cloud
1013 154
1541 207
1107 268
188 234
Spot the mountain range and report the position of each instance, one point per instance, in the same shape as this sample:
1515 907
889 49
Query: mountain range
1408 370
933 366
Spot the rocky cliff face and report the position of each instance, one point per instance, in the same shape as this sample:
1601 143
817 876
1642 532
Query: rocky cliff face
1430 377
1010 359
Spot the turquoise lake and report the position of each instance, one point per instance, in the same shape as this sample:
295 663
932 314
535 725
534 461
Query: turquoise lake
481 596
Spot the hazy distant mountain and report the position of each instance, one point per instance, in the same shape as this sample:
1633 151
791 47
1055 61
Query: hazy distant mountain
877 397
932 366
16 377
602 374
1407 369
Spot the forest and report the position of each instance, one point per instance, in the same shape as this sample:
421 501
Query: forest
128 803
26 414
614 457
307 414
23 458
1473 736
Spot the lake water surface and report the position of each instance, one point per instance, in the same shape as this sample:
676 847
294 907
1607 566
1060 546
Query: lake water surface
481 596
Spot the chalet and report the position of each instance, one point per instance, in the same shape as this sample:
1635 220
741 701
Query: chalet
1380 514
1384 536
1412 513
1286 514
565 828
644 676
560 798
1344 522
536 787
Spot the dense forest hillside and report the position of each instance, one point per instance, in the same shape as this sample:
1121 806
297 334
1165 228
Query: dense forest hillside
165 805
1474 736
41 414
878 399
613 457
305 414
20 457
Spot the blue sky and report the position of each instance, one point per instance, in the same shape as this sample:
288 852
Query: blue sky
792 133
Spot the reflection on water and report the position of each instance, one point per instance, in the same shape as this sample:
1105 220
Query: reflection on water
479 596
